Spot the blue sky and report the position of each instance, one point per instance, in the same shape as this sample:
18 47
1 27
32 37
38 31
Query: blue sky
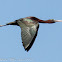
48 44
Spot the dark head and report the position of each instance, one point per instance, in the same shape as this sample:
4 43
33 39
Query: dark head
44 21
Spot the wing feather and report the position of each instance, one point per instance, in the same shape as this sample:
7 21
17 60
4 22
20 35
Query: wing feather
28 36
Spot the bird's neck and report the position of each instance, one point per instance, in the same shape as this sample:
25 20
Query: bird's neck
46 21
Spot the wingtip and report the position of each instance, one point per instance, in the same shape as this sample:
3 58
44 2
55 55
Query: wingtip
26 50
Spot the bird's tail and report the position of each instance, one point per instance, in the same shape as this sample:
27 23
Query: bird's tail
11 23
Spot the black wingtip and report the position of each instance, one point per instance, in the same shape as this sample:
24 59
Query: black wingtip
26 50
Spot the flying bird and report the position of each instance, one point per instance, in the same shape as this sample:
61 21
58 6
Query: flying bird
29 29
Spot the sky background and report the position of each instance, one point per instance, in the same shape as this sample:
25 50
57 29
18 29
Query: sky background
48 44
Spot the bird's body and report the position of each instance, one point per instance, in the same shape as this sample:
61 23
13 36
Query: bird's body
25 22
29 28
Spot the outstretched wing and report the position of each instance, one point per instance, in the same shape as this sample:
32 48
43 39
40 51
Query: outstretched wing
28 36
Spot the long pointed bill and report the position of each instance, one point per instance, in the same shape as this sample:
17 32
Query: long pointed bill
58 20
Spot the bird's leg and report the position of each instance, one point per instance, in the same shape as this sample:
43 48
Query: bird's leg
2 25
11 23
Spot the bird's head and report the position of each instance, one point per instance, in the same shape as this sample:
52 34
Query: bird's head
44 21
52 21
49 21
